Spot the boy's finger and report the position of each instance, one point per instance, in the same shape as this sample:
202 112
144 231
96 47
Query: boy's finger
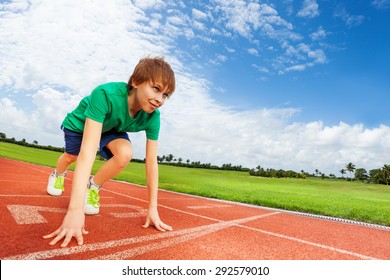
52 234
79 239
147 223
167 227
157 226
66 241
57 238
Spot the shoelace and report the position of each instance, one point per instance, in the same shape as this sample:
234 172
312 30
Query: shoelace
59 183
93 198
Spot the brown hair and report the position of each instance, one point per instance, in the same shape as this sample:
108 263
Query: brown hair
153 69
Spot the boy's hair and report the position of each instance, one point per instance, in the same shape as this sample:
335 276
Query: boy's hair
153 69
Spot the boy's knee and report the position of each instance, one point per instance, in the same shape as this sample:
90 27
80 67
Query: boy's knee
69 158
124 157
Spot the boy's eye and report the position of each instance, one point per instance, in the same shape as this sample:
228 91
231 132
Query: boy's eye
166 95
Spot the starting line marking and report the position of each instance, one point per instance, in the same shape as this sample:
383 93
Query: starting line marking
29 214
133 240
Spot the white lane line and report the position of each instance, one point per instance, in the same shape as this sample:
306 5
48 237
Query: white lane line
180 239
30 195
208 206
342 251
43 196
127 241
23 181
164 206
139 211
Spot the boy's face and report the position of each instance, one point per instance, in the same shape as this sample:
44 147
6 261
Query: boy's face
151 95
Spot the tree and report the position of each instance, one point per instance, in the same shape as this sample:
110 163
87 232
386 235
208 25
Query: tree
169 158
386 173
350 168
342 171
3 135
361 174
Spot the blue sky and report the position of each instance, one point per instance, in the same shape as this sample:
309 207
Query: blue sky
282 84
350 83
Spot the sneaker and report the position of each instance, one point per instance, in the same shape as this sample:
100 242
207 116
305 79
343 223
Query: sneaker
92 199
55 185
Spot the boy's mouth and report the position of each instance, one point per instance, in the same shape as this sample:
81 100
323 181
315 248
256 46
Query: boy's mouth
154 106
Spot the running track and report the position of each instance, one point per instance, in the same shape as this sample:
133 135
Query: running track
204 229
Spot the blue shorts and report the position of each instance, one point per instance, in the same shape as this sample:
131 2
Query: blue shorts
73 141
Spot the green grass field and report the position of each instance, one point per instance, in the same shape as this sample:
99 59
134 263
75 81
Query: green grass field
338 198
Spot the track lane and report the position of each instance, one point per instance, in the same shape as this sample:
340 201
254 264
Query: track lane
203 228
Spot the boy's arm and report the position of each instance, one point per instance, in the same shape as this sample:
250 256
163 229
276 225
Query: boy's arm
73 223
152 183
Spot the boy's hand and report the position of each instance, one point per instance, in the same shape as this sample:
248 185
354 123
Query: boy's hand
154 219
72 226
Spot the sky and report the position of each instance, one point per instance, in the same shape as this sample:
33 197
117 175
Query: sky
290 84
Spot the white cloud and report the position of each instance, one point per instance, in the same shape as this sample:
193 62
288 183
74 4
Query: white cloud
319 34
176 20
309 9
347 18
230 50
219 58
381 4
300 67
261 69
244 18
148 4
199 15
253 51
299 58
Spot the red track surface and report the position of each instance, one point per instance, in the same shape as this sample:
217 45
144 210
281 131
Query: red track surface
203 229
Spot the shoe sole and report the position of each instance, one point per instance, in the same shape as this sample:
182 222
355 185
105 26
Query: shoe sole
91 212
54 193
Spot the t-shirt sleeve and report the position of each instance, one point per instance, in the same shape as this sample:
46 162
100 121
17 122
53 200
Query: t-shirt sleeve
152 132
97 109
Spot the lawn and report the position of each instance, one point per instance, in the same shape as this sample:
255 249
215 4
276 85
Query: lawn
338 198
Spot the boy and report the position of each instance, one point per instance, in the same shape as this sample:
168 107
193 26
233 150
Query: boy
102 120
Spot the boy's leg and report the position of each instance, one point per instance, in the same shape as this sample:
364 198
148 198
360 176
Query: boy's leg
55 185
64 161
122 152
117 148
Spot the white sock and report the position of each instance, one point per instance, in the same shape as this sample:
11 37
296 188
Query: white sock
94 184
59 175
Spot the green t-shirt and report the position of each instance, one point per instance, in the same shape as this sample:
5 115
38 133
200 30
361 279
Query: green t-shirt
108 105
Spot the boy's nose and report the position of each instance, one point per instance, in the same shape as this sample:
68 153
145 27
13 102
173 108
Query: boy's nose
159 98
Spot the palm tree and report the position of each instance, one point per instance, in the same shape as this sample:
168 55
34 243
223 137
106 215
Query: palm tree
342 171
350 168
